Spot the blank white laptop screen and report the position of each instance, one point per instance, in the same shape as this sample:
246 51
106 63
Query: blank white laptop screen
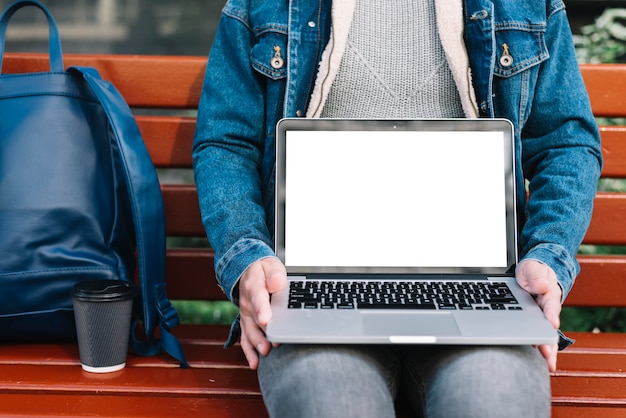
395 198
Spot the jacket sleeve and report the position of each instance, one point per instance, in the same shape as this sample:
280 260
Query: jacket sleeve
561 159
227 155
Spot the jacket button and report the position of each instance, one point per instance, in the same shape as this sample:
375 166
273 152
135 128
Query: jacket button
277 61
506 60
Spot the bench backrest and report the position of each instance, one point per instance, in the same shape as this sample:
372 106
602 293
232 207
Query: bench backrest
164 92
602 281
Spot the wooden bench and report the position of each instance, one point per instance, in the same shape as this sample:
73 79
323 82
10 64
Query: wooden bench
47 380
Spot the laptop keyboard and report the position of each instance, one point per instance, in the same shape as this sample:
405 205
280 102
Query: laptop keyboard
441 295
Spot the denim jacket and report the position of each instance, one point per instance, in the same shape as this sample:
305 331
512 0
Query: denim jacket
263 66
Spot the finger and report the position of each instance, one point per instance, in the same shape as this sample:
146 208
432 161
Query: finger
255 336
551 307
534 277
254 296
549 352
275 274
260 308
253 342
249 352
275 280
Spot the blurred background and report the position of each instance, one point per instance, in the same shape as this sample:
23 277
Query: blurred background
188 27
177 27
119 26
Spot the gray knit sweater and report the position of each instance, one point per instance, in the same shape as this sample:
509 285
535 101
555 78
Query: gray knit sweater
394 65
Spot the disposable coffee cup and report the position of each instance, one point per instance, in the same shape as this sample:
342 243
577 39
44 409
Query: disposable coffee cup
103 311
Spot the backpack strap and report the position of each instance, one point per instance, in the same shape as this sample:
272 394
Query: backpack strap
148 217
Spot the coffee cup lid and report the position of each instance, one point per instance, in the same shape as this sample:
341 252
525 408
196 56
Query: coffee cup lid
104 290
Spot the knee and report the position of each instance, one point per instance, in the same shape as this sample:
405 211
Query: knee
490 382
324 382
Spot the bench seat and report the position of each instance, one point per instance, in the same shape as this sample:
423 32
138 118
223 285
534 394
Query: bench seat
46 380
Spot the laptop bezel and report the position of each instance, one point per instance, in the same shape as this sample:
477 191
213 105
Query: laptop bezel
304 124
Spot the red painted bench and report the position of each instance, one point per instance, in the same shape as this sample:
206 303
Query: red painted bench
47 380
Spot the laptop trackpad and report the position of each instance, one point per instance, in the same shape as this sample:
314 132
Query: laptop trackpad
400 327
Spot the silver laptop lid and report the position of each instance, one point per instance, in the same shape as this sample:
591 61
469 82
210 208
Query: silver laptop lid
395 196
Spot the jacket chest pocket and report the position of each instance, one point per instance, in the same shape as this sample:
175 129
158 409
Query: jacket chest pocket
518 47
269 55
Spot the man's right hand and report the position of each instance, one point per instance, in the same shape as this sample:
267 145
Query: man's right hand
261 279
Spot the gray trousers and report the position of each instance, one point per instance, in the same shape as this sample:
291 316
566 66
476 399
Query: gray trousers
438 381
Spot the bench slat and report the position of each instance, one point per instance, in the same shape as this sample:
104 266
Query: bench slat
168 139
138 380
145 81
594 364
563 409
608 226
124 406
190 275
188 334
205 356
598 342
604 353
606 84
600 283
606 391
182 210
104 405
614 151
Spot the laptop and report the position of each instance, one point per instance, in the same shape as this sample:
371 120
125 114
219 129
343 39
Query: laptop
399 232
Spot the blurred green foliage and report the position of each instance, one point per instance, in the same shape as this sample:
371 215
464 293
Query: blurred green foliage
593 319
603 40
205 312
